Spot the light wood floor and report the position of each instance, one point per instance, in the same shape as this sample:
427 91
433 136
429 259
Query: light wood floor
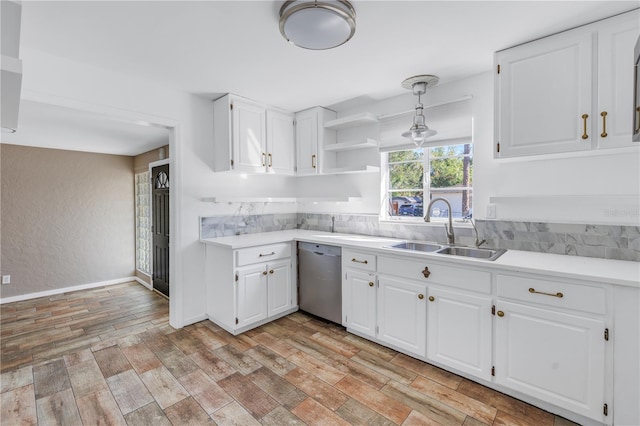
108 356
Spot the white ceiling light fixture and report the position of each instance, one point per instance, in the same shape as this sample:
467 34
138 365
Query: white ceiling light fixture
317 25
419 130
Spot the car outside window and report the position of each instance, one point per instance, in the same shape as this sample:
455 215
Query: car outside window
426 173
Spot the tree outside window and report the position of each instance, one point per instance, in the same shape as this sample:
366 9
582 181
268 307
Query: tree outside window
437 172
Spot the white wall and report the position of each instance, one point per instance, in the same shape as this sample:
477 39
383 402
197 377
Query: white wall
48 78
592 189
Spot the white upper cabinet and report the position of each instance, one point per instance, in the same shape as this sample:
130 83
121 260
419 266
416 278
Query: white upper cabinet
252 138
248 136
616 40
311 136
550 93
280 142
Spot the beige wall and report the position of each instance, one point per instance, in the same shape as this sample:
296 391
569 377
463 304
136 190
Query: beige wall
67 218
141 162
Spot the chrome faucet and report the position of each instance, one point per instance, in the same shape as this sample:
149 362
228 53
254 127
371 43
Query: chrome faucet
427 218
478 242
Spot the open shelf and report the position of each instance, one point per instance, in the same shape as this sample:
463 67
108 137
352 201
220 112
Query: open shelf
350 146
351 121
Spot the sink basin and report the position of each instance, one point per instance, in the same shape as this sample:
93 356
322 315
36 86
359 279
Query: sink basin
417 246
478 253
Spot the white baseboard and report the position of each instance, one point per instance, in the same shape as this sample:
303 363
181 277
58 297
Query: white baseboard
195 319
144 283
29 296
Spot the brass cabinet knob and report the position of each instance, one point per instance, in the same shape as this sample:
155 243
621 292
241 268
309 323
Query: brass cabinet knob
264 272
431 298
271 271
421 296
426 272
371 284
500 314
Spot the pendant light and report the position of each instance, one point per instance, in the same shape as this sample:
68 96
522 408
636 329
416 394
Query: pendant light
317 25
419 130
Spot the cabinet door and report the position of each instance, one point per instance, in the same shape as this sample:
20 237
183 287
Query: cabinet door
543 91
280 145
359 304
402 314
248 135
252 295
616 39
280 294
307 142
553 356
459 331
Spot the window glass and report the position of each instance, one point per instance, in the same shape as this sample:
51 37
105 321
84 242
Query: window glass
437 172
143 222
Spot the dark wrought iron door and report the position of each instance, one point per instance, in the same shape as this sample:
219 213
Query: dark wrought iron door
160 211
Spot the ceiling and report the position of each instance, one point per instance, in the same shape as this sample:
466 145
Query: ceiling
50 126
214 47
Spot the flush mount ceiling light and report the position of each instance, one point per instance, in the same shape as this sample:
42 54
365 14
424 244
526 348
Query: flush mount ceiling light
317 25
418 84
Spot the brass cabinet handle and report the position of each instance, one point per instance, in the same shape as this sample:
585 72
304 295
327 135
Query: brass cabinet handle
270 160
584 132
421 296
371 284
264 272
558 294
431 298
264 159
267 254
313 161
359 261
637 129
603 114
426 272
271 271
500 314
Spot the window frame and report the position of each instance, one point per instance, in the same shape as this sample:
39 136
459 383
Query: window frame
427 191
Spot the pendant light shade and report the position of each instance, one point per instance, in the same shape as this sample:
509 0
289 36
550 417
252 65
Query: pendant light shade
317 25
419 131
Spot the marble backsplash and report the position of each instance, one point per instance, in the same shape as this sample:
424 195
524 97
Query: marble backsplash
600 241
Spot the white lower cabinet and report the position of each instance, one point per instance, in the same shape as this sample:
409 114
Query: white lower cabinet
402 314
279 287
359 304
250 286
459 331
252 295
551 343
264 290
553 356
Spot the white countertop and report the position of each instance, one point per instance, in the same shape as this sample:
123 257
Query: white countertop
618 272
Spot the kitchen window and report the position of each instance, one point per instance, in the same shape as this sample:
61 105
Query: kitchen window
413 177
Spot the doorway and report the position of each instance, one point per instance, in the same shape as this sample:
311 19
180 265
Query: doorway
160 184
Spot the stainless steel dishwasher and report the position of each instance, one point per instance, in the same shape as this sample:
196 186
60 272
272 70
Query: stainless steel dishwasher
320 280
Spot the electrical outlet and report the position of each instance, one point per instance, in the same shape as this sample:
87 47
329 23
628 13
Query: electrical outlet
491 211
6 279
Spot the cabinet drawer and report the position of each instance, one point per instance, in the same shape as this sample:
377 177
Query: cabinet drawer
359 260
553 293
266 253
450 276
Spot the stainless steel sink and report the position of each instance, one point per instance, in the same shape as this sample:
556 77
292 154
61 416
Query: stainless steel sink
427 247
478 253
